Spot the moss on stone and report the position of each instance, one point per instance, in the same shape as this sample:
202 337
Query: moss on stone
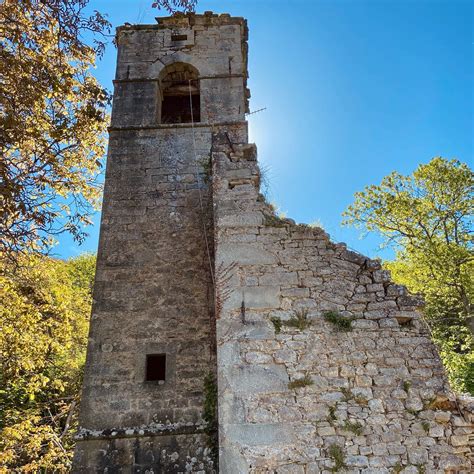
276 321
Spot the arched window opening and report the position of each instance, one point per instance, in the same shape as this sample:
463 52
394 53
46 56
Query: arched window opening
180 89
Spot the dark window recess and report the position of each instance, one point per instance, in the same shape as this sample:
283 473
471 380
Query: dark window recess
155 367
179 85
177 109
179 37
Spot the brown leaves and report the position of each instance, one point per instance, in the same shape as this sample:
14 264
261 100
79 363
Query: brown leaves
174 6
53 116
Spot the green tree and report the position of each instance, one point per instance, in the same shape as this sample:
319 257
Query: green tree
44 320
426 217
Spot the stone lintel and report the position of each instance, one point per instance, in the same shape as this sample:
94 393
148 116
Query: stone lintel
175 126
155 79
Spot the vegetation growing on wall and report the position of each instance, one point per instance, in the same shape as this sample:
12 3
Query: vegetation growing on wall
210 414
299 320
340 323
277 323
354 427
300 383
336 453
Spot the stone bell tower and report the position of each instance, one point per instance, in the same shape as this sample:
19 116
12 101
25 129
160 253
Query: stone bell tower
152 336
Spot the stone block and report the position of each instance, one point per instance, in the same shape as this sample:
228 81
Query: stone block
248 219
258 434
280 278
460 440
256 379
418 455
357 461
244 254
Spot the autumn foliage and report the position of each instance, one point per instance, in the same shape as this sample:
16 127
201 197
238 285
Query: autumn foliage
44 318
53 114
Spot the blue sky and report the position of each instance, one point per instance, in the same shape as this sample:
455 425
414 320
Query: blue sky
353 90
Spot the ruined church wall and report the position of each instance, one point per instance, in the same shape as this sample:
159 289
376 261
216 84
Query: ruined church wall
153 291
376 399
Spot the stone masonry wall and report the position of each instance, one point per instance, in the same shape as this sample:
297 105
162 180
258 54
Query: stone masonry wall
323 363
153 294
153 290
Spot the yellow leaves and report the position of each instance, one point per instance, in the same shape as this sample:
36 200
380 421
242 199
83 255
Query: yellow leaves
35 443
44 314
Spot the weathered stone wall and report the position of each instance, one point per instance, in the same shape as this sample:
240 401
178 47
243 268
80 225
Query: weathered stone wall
152 294
216 46
297 392
322 362
153 290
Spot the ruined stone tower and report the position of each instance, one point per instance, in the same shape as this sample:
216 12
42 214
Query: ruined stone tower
152 338
322 363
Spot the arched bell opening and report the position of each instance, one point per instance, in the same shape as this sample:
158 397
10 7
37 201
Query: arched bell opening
180 96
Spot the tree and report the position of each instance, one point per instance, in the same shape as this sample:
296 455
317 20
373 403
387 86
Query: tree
53 114
173 6
44 319
53 117
426 218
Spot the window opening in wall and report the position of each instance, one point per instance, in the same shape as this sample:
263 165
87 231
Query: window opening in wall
155 367
178 82
179 37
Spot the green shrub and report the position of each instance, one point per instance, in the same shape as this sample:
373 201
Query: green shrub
336 453
341 323
299 320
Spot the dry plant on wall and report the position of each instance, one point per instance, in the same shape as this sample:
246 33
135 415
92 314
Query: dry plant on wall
224 274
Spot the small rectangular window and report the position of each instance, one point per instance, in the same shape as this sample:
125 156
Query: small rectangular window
179 37
155 367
